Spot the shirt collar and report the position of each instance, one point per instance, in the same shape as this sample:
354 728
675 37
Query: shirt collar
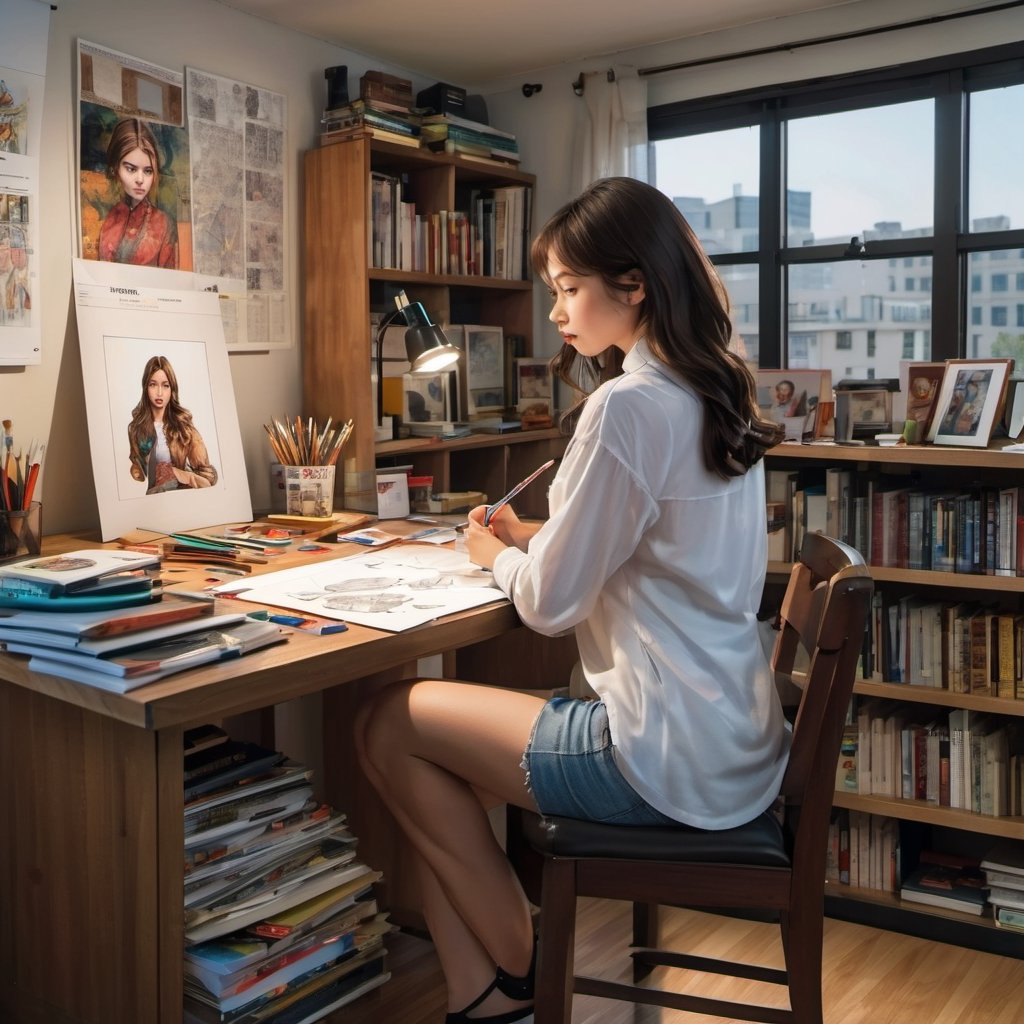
637 356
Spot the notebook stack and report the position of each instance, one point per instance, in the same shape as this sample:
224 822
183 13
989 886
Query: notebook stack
99 617
281 926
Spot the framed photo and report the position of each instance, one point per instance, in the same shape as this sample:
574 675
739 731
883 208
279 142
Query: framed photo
970 401
920 383
534 392
793 397
484 369
425 399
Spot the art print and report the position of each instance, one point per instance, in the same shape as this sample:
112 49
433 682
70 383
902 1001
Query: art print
792 398
970 401
163 429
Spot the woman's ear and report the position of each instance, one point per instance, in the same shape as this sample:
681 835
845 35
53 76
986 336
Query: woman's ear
634 284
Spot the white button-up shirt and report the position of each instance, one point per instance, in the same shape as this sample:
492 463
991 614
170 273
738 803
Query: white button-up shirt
659 565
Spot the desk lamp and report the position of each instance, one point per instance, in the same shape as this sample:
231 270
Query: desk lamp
428 349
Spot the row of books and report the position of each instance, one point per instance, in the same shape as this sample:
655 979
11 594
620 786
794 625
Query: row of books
980 530
491 239
962 647
281 924
863 850
871 851
959 759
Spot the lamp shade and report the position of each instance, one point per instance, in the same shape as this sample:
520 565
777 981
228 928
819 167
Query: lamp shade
428 349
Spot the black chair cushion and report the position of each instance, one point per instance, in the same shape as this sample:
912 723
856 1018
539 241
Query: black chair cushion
759 841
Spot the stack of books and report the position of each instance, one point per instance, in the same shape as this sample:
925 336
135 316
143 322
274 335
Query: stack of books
280 919
383 111
451 133
88 580
99 617
948 882
1004 874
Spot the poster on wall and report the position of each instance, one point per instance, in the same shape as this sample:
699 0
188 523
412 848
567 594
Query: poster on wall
24 28
163 428
238 146
133 153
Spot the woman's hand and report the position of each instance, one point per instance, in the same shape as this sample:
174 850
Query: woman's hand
483 545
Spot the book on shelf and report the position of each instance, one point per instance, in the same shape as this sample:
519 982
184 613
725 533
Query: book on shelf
216 767
951 886
444 429
1009 917
1006 856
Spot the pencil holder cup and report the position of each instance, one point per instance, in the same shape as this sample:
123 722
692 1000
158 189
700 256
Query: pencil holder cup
309 490
21 532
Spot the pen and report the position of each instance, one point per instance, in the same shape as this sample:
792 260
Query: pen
500 504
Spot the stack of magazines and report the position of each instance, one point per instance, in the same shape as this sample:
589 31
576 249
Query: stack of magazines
281 926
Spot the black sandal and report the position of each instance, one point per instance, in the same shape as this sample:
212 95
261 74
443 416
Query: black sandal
508 985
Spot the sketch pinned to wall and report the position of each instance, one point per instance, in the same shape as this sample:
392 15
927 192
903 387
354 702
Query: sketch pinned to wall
23 41
238 200
163 428
134 179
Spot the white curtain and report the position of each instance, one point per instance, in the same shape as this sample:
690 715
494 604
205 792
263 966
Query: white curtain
613 137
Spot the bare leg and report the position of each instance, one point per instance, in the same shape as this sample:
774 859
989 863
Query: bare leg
440 753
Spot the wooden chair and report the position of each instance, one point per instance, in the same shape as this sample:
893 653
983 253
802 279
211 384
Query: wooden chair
763 866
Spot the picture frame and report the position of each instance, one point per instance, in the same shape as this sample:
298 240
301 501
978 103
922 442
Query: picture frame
483 369
970 401
426 399
920 384
797 400
534 391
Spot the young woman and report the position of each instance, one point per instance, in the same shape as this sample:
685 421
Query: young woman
655 554
136 231
166 450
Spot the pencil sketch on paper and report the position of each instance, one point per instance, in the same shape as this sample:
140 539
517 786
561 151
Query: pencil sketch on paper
396 589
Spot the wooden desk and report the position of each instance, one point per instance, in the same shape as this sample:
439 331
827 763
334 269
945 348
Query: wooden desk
91 786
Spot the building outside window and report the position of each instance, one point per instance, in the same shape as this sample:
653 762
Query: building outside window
815 268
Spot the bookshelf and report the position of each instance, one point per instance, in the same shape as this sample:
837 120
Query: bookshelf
342 288
966 832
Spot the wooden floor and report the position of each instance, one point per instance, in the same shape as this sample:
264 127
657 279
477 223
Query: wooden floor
870 976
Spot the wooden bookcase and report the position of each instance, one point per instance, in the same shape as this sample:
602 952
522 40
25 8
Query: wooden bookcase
341 289
939 468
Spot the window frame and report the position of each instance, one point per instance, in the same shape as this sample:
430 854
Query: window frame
948 81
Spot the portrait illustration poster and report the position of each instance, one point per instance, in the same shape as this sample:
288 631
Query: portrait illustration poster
134 163
163 460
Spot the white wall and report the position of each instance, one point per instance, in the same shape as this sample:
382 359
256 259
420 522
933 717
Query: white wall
47 401
547 122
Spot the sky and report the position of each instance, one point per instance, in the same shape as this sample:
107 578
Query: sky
863 166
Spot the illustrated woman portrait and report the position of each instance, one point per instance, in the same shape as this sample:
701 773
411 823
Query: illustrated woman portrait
166 450
137 231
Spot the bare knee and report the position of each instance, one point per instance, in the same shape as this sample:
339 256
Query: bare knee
381 721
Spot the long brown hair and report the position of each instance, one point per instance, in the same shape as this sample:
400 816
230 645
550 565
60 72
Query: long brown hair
177 419
620 225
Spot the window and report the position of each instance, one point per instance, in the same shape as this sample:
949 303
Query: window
1020 314
803 177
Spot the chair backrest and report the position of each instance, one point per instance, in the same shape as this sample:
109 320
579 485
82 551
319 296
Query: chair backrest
823 618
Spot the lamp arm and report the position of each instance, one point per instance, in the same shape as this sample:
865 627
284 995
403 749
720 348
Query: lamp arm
385 323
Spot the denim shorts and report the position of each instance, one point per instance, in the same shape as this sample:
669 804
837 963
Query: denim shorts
571 770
